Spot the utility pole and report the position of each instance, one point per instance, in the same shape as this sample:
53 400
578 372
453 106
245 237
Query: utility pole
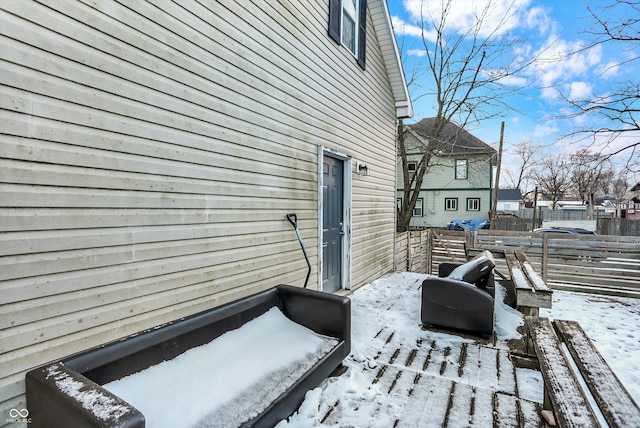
494 201
535 209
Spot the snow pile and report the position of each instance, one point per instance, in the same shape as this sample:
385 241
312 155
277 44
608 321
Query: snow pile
507 319
227 381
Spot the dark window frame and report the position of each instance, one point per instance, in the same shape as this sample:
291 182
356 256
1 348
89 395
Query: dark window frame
335 27
446 204
469 200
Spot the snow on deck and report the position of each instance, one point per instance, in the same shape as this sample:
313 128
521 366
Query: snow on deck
227 381
403 375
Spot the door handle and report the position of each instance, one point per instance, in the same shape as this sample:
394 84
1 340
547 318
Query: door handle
341 228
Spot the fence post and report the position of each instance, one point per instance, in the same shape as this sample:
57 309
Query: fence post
545 255
469 239
409 262
429 259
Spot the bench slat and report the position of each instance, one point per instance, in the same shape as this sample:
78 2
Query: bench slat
567 399
617 406
536 280
526 294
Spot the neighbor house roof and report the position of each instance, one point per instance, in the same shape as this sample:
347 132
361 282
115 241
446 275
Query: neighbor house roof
382 25
509 195
452 140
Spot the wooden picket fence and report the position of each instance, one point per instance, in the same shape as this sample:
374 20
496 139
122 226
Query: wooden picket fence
594 263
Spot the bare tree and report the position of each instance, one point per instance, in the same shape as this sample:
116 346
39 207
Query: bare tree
554 179
520 175
464 72
590 176
617 24
619 186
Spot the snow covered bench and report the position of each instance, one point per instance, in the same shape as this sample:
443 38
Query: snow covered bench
568 394
246 363
462 297
532 292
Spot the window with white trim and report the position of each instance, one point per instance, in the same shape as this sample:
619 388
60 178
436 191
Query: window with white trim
462 169
451 204
419 208
412 167
348 26
473 204
349 19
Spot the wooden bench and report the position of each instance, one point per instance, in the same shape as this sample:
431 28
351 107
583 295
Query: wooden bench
532 292
575 378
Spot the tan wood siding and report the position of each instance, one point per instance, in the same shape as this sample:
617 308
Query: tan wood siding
150 152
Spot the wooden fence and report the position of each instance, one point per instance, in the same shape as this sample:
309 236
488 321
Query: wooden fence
594 263
604 226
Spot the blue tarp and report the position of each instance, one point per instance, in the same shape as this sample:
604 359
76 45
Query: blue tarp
472 224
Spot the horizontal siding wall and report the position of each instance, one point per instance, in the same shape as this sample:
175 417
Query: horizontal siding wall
150 152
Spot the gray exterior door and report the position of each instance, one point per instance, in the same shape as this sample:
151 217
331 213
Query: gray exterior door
332 223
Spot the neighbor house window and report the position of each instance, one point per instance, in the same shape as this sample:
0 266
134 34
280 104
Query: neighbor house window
473 204
417 210
348 26
461 169
411 168
451 204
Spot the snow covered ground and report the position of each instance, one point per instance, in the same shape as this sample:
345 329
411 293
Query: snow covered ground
612 323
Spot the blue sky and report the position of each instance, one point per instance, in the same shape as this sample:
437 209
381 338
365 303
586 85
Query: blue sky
552 29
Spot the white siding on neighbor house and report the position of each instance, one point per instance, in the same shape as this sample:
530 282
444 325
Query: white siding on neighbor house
150 152
440 183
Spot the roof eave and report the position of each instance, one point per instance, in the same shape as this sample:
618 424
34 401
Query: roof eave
384 30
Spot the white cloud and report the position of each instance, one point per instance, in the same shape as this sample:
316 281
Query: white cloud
538 18
512 80
401 27
609 70
545 129
549 93
497 16
563 63
416 52
579 91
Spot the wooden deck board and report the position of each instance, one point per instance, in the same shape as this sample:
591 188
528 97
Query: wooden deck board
430 385
424 377
618 408
568 400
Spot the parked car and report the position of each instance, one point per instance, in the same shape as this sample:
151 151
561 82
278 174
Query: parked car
571 230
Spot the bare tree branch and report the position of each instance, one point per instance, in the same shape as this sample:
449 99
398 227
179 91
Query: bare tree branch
464 71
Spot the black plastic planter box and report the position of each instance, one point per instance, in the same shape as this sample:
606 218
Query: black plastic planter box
58 394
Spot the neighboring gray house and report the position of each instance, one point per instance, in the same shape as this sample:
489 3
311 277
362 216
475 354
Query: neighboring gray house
509 201
150 152
458 184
